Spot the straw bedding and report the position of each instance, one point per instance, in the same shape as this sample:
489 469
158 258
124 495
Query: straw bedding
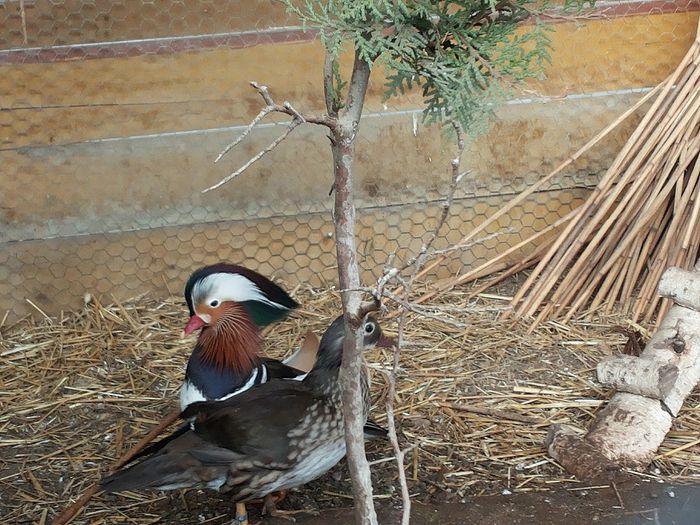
475 397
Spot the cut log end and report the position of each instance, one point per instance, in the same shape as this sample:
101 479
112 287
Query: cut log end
578 456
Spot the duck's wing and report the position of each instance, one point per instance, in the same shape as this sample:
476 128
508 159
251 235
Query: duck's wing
257 423
374 431
160 444
275 369
371 429
188 461
231 440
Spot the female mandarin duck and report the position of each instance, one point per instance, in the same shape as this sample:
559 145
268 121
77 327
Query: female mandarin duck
294 434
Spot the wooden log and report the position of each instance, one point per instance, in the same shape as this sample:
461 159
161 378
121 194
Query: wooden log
629 430
683 286
677 342
634 375
625 434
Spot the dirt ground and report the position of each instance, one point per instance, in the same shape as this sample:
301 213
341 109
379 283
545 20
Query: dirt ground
628 503
641 503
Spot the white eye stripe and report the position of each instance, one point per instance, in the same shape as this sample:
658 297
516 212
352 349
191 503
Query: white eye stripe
230 287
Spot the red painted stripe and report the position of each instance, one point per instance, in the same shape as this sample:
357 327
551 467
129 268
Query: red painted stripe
166 46
160 46
614 9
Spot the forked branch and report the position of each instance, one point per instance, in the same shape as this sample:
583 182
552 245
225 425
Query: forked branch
270 107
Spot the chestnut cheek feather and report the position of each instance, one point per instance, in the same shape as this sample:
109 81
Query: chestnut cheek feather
234 341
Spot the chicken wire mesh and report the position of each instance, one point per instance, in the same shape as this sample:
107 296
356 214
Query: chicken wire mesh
111 115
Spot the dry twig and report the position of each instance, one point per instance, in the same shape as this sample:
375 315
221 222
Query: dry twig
402 297
23 16
270 107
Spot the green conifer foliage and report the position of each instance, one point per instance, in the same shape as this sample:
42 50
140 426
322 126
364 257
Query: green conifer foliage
463 55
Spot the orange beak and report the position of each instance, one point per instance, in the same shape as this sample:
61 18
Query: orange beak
195 323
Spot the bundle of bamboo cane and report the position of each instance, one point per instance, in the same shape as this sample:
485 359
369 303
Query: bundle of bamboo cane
642 217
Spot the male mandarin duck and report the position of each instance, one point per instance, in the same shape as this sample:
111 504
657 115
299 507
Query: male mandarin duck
231 304
272 437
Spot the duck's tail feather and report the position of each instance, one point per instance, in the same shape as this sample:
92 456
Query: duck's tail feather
187 462
373 431
160 444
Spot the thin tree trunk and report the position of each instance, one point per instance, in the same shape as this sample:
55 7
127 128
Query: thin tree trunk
343 146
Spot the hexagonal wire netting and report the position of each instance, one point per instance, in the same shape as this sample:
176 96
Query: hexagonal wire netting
112 113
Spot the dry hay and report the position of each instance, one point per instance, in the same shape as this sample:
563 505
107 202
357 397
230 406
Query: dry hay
474 404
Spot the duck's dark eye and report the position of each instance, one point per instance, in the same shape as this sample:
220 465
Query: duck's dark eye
369 328
214 303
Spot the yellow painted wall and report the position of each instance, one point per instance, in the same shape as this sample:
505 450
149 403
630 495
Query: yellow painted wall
102 161
56 103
